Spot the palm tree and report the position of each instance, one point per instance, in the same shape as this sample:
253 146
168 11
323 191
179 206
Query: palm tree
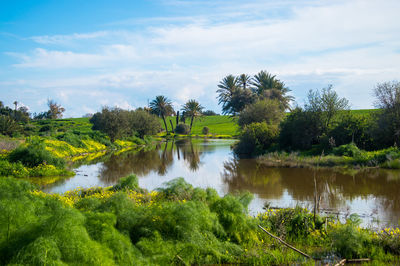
193 109
266 85
244 81
162 107
227 88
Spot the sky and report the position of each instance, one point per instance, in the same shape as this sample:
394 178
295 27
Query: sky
123 53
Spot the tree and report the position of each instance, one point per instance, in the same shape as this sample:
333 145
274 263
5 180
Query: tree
55 110
244 81
269 111
232 96
267 86
192 109
111 121
327 104
388 99
143 123
255 139
162 107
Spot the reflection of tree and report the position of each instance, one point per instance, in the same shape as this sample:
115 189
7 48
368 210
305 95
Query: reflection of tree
246 174
333 188
159 159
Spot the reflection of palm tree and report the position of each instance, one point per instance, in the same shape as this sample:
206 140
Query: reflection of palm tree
167 159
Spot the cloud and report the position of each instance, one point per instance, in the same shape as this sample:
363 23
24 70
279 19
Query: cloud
308 44
64 39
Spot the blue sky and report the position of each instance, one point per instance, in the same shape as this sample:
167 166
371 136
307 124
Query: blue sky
87 54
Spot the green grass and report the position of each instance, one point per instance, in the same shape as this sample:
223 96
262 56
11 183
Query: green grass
218 125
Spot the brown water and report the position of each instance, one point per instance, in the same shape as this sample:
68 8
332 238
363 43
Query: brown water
374 194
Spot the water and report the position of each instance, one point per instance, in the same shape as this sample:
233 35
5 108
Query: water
374 194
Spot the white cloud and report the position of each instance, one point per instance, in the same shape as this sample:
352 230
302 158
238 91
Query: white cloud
351 44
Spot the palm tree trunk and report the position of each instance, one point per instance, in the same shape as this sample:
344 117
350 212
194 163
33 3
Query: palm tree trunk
165 123
191 123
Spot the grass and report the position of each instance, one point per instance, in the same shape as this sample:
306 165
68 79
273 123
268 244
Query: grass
218 125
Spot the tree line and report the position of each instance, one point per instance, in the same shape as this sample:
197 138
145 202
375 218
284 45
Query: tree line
324 122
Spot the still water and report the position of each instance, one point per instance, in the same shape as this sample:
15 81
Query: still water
374 194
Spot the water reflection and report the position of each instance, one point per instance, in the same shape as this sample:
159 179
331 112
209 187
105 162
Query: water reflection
380 189
211 164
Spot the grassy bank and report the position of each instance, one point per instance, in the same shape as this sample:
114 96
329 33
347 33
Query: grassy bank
347 156
178 224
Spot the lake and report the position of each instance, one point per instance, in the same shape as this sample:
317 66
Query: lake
374 194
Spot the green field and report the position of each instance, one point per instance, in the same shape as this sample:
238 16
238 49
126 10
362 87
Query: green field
218 125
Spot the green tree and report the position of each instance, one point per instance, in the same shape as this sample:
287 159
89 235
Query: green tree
111 121
192 109
255 139
233 95
267 86
244 81
162 107
388 120
327 104
269 111
143 123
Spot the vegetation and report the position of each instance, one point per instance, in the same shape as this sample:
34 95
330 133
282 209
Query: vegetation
162 107
192 109
177 224
268 111
118 123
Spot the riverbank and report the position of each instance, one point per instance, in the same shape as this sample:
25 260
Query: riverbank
127 225
345 156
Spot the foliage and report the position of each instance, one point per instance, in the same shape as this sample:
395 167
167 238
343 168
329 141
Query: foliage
143 123
326 105
353 128
162 107
349 241
35 154
111 121
267 86
350 150
55 110
387 132
205 130
192 109
232 96
268 111
177 225
182 129
208 113
300 130
255 139
8 126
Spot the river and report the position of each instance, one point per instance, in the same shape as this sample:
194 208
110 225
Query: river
374 194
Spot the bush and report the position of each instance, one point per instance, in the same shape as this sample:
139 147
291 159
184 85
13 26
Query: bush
349 241
205 131
144 123
8 126
350 150
182 129
255 139
35 154
269 111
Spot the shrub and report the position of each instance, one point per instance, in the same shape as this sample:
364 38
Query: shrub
35 154
350 150
8 126
130 182
349 241
144 123
255 139
182 129
205 131
269 111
